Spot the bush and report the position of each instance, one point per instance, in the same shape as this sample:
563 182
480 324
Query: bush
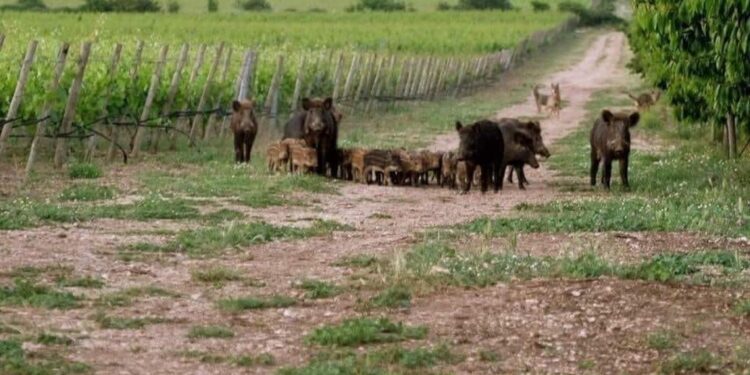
540 6
484 4
173 6
590 17
444 6
378 5
35 5
213 6
254 5
84 170
133 6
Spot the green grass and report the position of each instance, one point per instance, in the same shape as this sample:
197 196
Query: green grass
87 193
743 307
15 361
236 305
243 360
358 261
489 356
202 332
115 322
662 340
361 331
84 171
50 339
217 275
82 282
700 361
396 296
27 293
317 289
128 296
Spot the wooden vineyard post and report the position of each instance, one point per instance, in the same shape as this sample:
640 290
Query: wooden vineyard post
350 78
298 85
152 88
198 118
337 77
179 123
133 76
272 99
2 41
375 84
402 77
212 117
61 151
62 56
414 82
241 88
174 85
111 70
15 102
460 78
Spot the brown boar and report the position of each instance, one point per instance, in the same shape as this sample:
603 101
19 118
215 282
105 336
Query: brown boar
610 140
317 123
277 156
433 162
245 127
302 158
520 152
481 144
379 166
411 166
448 170
534 130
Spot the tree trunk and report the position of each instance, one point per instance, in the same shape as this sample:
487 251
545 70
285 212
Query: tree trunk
732 136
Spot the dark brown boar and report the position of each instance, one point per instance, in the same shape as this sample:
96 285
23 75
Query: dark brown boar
481 144
520 152
245 127
534 130
380 165
610 140
318 124
433 162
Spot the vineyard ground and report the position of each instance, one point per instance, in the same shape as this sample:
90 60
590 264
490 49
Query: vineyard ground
155 277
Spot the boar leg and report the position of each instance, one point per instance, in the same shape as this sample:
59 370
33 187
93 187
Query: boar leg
594 166
510 173
238 147
519 175
624 172
249 139
498 172
486 175
607 177
470 168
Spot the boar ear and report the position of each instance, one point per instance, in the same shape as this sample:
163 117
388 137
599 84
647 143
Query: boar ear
236 105
634 118
607 116
328 103
306 104
459 125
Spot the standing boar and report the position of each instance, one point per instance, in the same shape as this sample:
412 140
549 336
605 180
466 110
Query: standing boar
317 124
302 158
433 164
277 156
381 165
481 144
448 170
610 140
534 130
519 152
244 126
412 166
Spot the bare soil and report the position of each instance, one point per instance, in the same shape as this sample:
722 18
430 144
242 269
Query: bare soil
538 326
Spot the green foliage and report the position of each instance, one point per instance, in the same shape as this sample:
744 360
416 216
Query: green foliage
378 5
213 6
357 261
84 170
86 193
484 4
316 289
50 339
700 361
26 5
743 307
173 6
115 322
133 6
81 282
397 296
540 6
201 332
127 297
236 305
15 361
662 340
26 293
254 5
216 275
354 332
588 16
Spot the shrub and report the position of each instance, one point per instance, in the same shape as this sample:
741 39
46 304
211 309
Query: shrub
213 6
484 4
540 6
444 6
35 5
173 6
589 17
134 6
254 5
378 5
84 170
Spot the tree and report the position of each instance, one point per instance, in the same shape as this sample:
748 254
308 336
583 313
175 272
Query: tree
213 6
485 4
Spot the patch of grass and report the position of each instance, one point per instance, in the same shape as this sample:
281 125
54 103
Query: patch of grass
222 216
743 307
666 267
700 361
216 275
87 193
360 331
396 296
115 322
489 356
154 207
27 293
263 359
200 332
15 361
379 215
662 340
52 271
317 289
235 305
50 339
586 364
206 241
357 261
81 282
84 170
127 297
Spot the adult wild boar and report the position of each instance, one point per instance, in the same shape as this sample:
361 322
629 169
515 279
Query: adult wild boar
318 124
481 144
531 128
519 151
610 140
245 128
